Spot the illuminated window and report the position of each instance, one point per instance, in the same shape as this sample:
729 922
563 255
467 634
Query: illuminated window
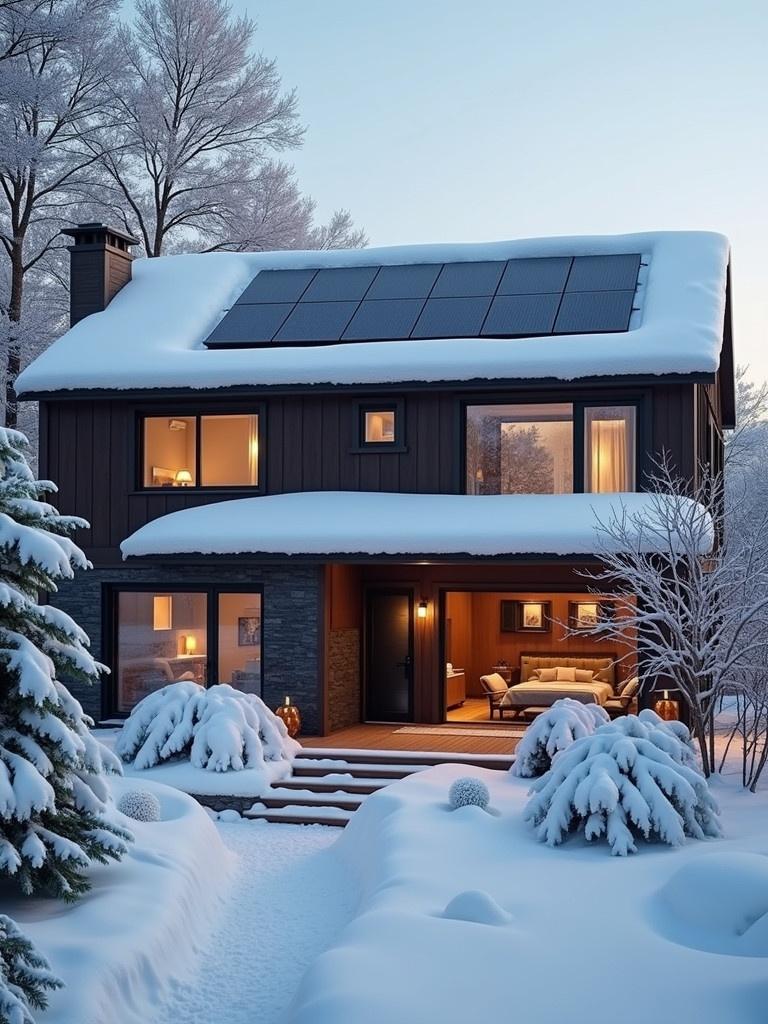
206 451
609 449
519 449
239 634
380 427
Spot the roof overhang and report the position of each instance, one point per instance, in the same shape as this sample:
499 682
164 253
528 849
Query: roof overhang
401 526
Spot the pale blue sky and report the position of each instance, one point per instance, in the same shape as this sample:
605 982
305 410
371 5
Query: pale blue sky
436 120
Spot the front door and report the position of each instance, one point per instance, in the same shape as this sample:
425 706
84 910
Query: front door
389 656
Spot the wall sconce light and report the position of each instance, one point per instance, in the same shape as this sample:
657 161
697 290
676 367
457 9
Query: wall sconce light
421 611
183 478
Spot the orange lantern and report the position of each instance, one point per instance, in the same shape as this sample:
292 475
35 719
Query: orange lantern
291 716
666 709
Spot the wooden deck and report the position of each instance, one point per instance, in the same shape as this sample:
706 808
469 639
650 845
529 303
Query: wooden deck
448 739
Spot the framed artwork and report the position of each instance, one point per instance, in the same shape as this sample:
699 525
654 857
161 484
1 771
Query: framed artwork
526 616
248 631
587 614
163 477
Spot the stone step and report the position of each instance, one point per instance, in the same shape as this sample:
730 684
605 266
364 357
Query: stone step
302 769
298 814
499 762
335 783
280 796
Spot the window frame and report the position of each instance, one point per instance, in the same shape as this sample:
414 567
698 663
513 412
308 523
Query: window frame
360 445
580 403
257 409
111 601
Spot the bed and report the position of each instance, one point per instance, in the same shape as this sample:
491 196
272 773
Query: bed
534 691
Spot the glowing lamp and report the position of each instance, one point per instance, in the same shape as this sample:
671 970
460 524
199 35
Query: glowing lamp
290 715
421 611
667 709
190 644
183 478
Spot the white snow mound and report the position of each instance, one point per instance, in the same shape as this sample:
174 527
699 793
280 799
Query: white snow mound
478 907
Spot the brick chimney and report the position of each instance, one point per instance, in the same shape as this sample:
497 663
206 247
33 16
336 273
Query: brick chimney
99 265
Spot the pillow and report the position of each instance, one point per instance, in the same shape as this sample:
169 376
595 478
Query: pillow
604 675
566 675
534 675
547 675
584 675
630 688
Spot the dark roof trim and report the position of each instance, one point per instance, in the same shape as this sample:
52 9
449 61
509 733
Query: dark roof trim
255 557
476 384
726 373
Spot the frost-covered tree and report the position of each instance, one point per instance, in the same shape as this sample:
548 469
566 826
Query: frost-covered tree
25 976
54 800
632 778
555 729
218 728
693 592
53 103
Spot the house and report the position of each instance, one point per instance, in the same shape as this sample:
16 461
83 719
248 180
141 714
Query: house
332 475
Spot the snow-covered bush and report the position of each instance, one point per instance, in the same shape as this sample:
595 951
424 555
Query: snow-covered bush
139 805
552 731
25 976
468 792
54 800
219 729
631 778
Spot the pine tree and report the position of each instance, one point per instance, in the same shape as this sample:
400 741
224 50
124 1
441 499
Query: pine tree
25 976
54 800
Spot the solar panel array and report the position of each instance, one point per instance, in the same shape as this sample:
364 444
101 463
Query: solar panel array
485 299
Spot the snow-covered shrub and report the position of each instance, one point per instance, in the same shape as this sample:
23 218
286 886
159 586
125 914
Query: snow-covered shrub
139 805
25 976
468 792
631 778
552 731
219 729
54 800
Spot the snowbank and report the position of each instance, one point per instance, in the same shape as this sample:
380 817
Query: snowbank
139 927
466 917
151 334
355 522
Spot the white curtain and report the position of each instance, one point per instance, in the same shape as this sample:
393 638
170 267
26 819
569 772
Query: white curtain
608 457
253 450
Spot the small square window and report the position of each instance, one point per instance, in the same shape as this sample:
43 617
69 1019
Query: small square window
379 426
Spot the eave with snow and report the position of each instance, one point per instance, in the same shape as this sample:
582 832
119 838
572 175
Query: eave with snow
334 474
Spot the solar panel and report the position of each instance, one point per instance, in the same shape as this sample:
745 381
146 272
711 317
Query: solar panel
407 282
533 276
316 322
250 325
603 273
594 312
521 314
277 286
460 279
452 318
339 284
383 319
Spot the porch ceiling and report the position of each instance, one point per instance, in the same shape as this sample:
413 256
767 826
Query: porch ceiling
349 523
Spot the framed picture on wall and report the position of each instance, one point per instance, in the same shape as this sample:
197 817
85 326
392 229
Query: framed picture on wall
534 616
587 614
248 631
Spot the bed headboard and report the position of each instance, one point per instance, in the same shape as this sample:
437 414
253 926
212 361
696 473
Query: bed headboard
575 659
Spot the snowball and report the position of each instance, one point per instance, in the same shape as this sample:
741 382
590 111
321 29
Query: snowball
468 791
477 906
230 814
140 805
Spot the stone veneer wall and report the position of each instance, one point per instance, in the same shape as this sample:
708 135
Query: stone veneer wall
290 618
343 678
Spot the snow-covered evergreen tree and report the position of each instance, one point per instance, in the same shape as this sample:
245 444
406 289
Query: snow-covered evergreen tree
54 801
552 731
633 777
25 976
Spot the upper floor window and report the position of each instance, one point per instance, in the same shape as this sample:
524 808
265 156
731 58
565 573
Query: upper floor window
552 448
379 426
201 451
520 449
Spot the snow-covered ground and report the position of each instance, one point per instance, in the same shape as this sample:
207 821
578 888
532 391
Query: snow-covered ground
291 896
561 934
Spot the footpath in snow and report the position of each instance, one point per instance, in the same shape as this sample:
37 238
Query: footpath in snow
290 898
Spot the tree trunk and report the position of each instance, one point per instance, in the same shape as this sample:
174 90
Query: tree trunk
13 359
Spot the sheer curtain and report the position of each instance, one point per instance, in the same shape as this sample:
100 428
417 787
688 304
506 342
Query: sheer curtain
253 450
610 450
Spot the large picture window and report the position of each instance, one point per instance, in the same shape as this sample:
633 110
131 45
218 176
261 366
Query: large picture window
609 448
201 451
202 636
519 449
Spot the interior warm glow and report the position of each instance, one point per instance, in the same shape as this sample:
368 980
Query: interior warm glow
422 610
162 611
190 644
610 445
380 427
184 477
229 450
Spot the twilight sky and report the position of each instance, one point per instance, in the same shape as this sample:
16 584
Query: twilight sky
436 120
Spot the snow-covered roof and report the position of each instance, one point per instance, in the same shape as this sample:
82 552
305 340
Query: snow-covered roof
360 522
152 334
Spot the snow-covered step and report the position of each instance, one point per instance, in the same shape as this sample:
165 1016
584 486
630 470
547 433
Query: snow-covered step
358 770
300 814
333 756
280 796
337 782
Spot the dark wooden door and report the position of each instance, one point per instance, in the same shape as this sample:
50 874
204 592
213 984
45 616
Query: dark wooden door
389 656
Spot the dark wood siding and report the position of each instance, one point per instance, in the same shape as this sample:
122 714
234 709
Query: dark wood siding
90 448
